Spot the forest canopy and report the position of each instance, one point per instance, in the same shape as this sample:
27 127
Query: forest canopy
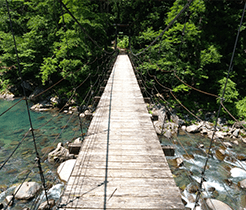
196 49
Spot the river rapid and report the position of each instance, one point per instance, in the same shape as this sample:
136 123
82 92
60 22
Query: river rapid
221 176
49 129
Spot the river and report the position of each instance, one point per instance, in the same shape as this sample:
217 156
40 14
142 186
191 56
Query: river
221 176
49 130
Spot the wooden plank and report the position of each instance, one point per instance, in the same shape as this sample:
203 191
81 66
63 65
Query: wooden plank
121 164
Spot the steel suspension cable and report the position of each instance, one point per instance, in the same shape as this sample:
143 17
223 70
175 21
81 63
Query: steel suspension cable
220 106
11 107
27 106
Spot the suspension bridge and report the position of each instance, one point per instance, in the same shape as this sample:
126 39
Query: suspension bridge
121 164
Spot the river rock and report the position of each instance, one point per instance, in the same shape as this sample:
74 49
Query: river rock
242 184
192 188
9 199
220 154
243 140
227 144
77 141
55 100
7 96
168 134
65 169
158 127
192 129
188 157
45 206
60 154
41 107
236 133
183 127
239 124
208 125
213 204
27 191
220 134
200 146
204 130
177 162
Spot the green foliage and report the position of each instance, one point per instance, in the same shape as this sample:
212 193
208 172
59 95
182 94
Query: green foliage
181 88
52 46
231 93
241 108
123 43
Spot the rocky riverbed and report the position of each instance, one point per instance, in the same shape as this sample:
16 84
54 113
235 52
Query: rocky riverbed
225 174
51 130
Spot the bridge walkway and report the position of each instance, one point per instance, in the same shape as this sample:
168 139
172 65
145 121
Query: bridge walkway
121 164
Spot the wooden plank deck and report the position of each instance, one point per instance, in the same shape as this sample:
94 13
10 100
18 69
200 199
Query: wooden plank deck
121 164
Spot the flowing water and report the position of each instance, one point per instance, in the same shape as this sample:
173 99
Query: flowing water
13 126
221 176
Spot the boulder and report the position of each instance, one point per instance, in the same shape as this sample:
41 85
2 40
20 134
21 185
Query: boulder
243 140
168 134
203 130
55 100
60 154
222 121
179 161
220 134
208 125
192 188
200 146
77 141
26 191
236 133
228 144
242 184
220 154
9 199
158 127
7 96
41 107
45 206
192 129
183 127
65 169
239 124
188 157
213 204
210 134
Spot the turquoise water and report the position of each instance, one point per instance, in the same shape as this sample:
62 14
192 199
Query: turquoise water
13 126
